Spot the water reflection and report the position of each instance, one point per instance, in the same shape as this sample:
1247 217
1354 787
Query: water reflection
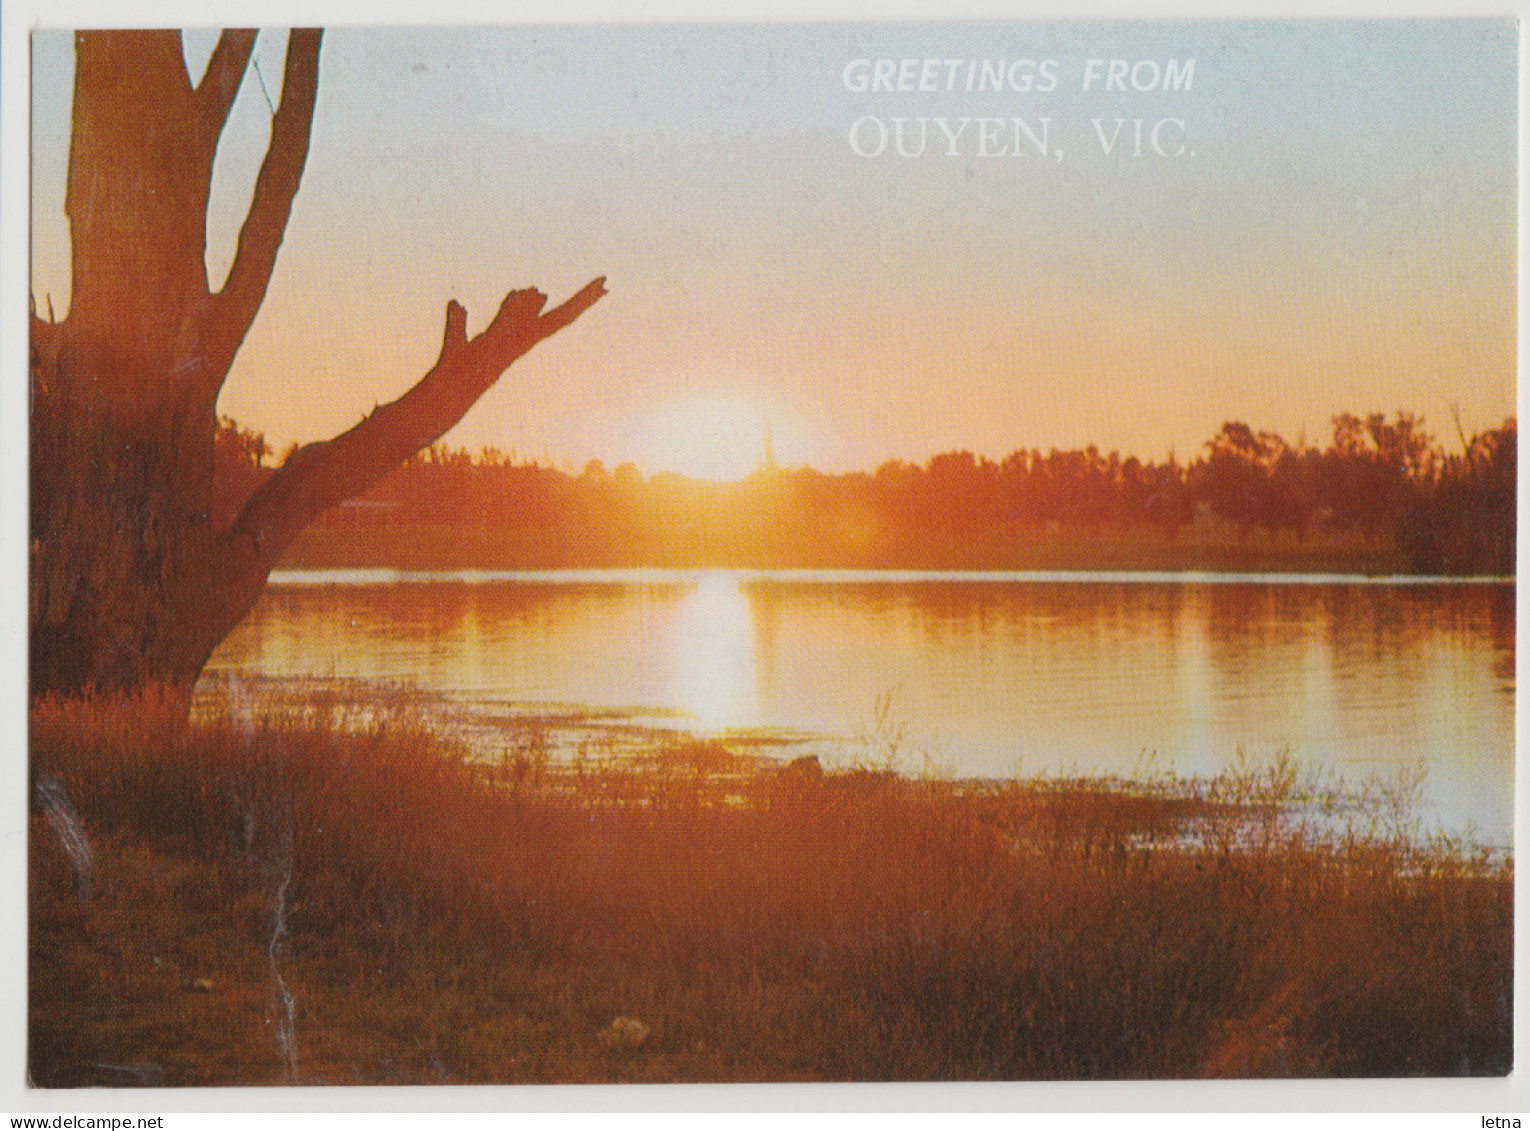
992 675
711 644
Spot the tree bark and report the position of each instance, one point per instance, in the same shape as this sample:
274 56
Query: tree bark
130 582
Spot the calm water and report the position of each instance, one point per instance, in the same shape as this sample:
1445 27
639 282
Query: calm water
981 675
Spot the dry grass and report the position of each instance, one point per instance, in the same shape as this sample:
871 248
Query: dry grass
438 920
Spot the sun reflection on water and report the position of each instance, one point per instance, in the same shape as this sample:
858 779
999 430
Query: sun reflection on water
712 645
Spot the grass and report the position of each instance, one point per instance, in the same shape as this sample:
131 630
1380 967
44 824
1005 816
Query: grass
245 902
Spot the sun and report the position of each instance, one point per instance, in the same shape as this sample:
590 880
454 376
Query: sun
715 437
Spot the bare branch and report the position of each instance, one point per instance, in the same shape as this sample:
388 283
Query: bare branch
1455 412
264 226
519 325
225 71
321 475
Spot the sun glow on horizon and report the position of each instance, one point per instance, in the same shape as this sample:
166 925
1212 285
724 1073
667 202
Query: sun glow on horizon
853 311
716 437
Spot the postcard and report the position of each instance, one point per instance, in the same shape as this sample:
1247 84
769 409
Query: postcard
772 553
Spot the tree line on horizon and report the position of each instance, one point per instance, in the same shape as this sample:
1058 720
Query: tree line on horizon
1378 482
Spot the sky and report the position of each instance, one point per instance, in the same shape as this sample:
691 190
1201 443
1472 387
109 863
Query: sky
1326 224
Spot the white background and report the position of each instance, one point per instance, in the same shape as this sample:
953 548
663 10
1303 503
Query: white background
1392 1104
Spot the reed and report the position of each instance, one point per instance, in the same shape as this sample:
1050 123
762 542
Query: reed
432 918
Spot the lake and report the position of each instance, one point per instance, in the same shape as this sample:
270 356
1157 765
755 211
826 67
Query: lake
969 674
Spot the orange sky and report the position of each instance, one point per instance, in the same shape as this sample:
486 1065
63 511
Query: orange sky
1337 235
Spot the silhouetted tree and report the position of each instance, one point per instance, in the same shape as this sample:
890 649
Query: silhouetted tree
132 578
1464 520
1252 479
1374 469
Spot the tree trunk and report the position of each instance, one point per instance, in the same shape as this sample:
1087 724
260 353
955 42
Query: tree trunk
130 582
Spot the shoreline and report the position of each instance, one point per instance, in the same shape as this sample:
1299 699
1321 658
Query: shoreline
564 738
1068 549
445 921
360 576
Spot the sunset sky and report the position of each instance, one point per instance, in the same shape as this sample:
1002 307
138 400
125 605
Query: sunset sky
1335 234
